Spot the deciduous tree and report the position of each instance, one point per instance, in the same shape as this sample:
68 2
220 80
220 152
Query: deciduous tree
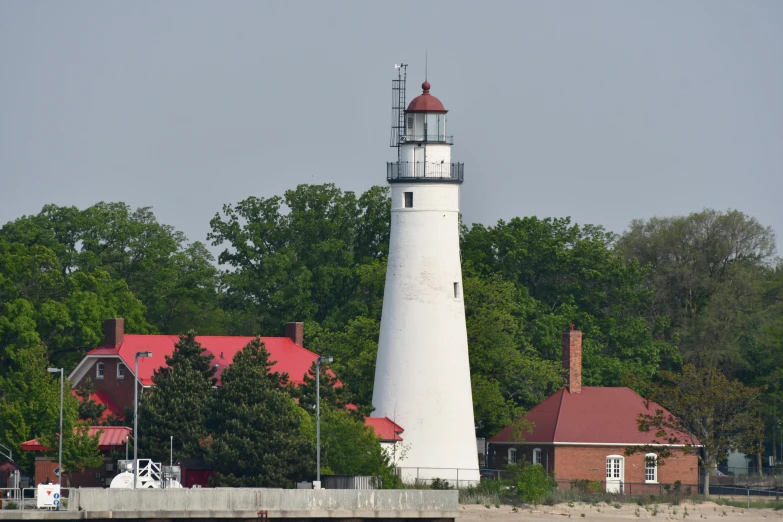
705 410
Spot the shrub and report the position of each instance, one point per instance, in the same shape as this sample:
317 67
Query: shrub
534 483
439 483
587 486
486 492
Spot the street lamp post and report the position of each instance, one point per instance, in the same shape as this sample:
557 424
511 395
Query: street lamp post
60 458
136 414
318 363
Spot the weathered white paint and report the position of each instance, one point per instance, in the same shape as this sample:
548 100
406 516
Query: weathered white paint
422 375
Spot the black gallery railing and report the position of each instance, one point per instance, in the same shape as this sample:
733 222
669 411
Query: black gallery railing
420 170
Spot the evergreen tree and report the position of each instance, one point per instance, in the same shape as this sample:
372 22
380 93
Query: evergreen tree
257 437
178 404
89 410
333 394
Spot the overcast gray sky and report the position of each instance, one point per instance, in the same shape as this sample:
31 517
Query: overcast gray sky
604 111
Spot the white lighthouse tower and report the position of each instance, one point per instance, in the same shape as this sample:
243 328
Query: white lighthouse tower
422 374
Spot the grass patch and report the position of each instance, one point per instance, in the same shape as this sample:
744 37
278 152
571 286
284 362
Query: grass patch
777 506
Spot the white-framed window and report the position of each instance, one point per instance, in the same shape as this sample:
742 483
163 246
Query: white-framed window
537 456
614 467
120 371
100 370
651 468
512 456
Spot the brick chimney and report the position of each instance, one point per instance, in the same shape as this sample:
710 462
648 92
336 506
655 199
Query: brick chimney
113 332
572 359
296 332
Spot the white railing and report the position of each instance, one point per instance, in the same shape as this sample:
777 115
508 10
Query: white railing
28 499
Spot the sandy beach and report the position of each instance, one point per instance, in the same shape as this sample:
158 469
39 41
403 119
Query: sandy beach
626 512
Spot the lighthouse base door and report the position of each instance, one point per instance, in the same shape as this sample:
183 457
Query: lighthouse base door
615 473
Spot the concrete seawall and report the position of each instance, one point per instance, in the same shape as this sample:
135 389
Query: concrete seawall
250 504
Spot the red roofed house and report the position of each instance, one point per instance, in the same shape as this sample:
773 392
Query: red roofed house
111 365
111 438
581 432
389 433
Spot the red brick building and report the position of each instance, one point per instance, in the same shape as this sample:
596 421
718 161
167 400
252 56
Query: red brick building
110 367
111 438
581 432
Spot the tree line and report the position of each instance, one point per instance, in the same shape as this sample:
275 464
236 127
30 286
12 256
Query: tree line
704 289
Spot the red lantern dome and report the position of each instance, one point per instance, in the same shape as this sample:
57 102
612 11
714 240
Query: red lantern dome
426 102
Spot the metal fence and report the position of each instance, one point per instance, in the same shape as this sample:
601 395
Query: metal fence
753 471
628 488
769 486
751 493
27 499
350 482
440 477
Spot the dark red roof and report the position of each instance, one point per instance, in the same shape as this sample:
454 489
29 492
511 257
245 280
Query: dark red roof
112 437
425 102
597 415
101 397
289 357
385 428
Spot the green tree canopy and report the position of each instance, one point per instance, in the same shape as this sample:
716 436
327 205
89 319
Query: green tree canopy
298 256
707 273
30 401
704 409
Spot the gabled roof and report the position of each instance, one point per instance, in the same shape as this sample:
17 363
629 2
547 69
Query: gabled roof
289 357
102 398
112 437
385 428
597 415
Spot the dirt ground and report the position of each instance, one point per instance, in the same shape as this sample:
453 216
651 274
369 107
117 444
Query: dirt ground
690 512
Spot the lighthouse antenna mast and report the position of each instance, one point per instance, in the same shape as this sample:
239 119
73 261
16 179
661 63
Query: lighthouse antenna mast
398 107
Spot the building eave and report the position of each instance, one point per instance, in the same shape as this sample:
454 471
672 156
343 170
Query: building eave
86 364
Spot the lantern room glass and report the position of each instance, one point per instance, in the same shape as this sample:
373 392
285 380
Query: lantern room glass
426 127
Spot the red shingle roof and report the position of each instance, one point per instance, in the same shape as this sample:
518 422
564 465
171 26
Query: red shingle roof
112 437
385 428
289 357
597 415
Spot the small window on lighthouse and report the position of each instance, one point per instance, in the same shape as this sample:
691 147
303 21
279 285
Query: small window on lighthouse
409 200
456 290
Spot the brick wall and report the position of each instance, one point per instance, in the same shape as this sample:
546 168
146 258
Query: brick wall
89 478
44 469
589 463
498 454
572 359
119 390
